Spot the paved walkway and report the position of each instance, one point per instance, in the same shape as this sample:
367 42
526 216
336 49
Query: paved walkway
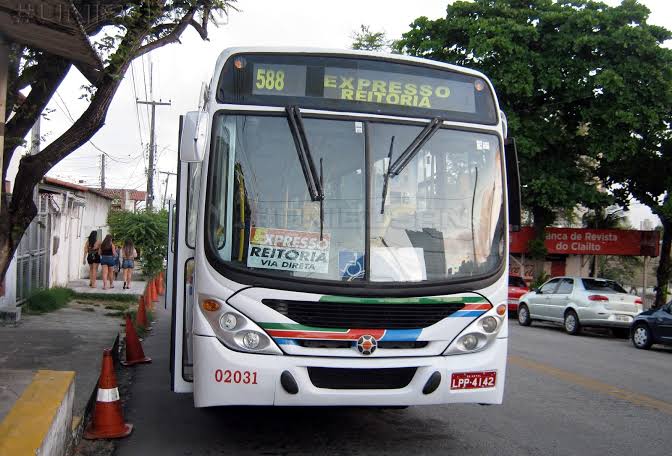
71 338
82 286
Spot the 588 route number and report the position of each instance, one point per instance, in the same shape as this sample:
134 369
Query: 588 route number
236 376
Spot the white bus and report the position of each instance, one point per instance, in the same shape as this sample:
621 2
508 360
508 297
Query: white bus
340 233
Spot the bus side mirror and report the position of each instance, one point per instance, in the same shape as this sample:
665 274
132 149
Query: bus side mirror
193 136
513 184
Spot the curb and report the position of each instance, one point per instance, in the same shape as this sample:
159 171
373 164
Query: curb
39 421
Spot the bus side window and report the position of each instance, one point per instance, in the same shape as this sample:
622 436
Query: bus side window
193 192
220 164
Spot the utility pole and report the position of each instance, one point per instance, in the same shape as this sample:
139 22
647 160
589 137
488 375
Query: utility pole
165 190
152 147
102 171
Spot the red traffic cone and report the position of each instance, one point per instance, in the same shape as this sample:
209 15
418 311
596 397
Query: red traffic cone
134 352
141 315
108 420
152 288
162 288
148 297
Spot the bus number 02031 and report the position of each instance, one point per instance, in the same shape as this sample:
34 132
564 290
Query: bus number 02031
270 79
236 376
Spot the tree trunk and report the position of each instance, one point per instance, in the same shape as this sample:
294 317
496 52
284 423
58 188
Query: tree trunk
664 267
542 218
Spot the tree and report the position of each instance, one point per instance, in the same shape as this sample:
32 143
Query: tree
366 40
148 231
548 64
586 89
130 30
646 174
619 268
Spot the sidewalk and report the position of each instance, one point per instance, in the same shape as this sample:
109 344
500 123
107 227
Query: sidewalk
82 286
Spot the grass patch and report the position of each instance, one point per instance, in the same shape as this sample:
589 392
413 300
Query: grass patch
88 309
43 301
107 296
115 314
119 307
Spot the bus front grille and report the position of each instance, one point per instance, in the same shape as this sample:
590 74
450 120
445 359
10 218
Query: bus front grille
363 315
341 378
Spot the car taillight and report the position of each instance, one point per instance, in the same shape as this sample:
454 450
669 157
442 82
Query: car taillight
638 301
598 298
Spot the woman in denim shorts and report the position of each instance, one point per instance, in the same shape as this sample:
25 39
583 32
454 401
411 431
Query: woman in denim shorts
107 259
128 255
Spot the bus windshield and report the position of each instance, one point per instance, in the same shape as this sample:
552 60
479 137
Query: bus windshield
440 218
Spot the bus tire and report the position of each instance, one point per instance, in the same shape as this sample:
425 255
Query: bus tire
572 324
524 315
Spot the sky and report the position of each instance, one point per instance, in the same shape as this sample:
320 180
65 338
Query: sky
178 70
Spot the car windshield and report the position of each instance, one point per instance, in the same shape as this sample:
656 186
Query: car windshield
605 286
442 215
515 281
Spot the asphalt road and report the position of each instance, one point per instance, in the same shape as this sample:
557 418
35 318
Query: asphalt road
585 395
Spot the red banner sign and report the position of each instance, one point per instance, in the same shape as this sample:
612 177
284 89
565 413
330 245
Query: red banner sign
586 241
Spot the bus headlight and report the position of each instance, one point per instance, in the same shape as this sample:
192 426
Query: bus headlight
228 321
480 334
489 324
234 330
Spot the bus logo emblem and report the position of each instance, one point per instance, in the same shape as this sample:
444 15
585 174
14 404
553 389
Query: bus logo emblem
367 344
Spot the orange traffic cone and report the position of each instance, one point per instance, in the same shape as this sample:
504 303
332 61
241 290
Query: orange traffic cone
108 420
141 316
134 351
152 288
161 287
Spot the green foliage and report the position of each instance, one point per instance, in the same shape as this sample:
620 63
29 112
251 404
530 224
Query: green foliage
536 249
539 280
43 301
585 86
622 269
149 233
366 40
106 296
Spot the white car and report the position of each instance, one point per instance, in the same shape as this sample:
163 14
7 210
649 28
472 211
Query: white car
581 301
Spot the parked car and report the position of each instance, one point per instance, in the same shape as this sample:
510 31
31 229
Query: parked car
653 326
517 288
581 301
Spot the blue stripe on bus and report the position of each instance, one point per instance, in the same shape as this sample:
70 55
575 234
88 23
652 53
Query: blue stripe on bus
468 313
286 341
401 335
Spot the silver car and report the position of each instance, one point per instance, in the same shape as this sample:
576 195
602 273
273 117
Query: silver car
581 301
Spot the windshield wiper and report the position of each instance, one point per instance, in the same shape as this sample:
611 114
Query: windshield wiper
413 148
303 150
387 176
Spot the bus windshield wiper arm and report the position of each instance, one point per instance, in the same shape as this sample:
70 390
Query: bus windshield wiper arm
303 150
387 176
413 148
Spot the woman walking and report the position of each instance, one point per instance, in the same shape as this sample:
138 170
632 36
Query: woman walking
128 255
107 258
92 257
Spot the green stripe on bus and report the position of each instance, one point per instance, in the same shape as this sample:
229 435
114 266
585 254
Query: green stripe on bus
298 327
422 300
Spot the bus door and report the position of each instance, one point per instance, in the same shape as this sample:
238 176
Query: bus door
181 273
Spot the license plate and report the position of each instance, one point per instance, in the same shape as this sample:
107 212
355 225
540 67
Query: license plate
513 301
627 318
473 380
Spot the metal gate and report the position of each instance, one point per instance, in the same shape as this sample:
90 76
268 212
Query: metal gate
32 255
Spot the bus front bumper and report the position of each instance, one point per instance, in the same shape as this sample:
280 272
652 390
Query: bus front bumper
226 377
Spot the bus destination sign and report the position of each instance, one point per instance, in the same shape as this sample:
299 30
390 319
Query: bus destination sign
355 84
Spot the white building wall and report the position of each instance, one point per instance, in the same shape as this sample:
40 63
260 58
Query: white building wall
94 217
65 262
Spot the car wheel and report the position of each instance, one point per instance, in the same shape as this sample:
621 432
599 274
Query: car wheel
641 336
572 324
524 315
620 333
